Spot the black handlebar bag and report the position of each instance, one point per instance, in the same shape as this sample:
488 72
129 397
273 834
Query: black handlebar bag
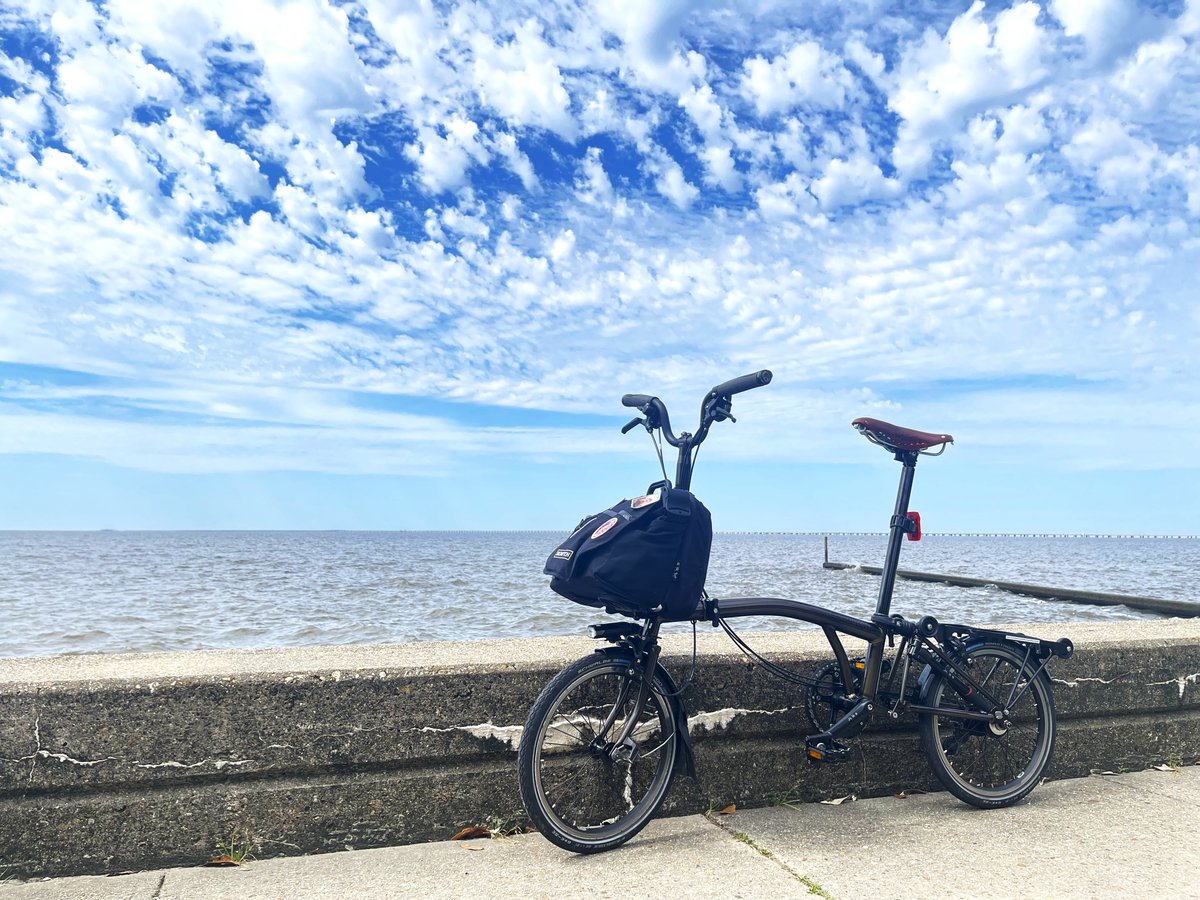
642 553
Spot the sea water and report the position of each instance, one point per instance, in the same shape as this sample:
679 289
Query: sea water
107 592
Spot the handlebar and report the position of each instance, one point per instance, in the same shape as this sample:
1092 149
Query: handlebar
741 383
714 409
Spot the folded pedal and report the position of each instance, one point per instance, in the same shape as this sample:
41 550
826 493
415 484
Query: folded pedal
821 748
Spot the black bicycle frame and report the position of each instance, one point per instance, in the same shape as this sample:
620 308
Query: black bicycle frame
929 642
925 640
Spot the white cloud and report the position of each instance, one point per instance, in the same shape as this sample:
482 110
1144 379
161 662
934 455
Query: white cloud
871 63
1151 69
1101 23
671 182
805 73
1008 178
178 32
506 146
851 181
941 81
520 79
708 115
308 61
1122 164
593 184
443 159
235 240
22 115
563 246
650 32
1024 130
784 199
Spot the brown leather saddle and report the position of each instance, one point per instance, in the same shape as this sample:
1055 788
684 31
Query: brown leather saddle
895 439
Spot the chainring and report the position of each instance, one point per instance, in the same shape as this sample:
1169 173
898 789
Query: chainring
823 692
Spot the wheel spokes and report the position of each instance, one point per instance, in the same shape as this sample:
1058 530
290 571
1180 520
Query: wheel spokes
987 756
585 785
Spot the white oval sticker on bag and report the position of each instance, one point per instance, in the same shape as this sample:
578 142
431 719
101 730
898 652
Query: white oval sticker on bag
640 502
605 528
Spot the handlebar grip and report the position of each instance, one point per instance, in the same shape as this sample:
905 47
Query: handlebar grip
636 400
741 383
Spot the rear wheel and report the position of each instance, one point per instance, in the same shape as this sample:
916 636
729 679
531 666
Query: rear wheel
991 764
582 790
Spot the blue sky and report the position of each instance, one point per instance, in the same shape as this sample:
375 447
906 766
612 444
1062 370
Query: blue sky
391 265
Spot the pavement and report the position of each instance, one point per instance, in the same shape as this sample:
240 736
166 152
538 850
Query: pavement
1116 835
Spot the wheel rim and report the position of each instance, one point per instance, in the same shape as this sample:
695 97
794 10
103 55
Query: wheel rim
996 760
587 793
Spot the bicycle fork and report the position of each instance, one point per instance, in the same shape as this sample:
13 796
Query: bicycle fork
623 748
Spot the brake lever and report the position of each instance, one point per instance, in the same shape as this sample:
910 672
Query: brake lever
719 412
632 424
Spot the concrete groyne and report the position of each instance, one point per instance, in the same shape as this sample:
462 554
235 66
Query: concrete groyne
116 763
1071 595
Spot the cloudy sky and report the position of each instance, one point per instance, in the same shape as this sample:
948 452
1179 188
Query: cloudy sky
389 264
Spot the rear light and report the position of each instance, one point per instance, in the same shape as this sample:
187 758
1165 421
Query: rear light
914 526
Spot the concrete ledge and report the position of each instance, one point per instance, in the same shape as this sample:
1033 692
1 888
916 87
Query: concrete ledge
112 763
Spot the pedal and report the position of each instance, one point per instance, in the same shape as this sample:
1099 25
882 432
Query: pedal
823 749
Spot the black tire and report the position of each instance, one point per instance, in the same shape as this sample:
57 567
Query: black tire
577 795
988 765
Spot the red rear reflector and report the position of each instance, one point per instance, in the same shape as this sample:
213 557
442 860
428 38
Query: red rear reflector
914 533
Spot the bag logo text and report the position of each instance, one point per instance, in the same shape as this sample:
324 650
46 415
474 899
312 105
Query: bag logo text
563 554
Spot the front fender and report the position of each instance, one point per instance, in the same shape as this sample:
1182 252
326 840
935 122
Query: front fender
685 757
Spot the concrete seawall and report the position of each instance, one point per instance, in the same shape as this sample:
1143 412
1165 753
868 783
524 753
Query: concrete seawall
112 763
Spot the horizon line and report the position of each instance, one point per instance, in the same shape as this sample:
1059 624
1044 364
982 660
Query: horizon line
1020 534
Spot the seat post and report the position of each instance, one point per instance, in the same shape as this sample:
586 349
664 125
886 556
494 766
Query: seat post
897 531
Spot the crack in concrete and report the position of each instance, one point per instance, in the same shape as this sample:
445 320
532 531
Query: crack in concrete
63 758
37 735
40 752
1075 682
744 838
215 763
720 718
1182 682
339 735
511 734
508 734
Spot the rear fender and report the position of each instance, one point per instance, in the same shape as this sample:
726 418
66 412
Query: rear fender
1001 639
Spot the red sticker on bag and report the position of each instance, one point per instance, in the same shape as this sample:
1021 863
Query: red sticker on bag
605 528
639 502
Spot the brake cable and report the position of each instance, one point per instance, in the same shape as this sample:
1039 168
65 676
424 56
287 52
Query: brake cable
656 439
692 673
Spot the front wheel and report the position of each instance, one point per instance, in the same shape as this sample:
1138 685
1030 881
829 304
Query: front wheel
991 764
583 790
